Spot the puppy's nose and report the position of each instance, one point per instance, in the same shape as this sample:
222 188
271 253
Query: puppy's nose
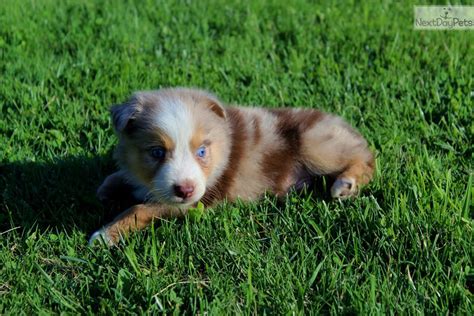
184 191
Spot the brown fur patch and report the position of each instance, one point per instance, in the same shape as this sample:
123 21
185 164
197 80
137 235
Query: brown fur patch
138 217
292 123
135 160
281 163
134 152
278 165
216 108
239 138
197 139
207 99
206 162
158 138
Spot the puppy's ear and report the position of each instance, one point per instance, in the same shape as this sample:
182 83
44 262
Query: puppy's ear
124 114
215 106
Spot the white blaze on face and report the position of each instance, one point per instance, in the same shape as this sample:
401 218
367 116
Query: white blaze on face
176 121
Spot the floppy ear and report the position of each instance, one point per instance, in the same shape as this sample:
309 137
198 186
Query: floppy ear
215 106
124 114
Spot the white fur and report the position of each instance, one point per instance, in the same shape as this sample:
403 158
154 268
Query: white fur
102 237
176 120
343 188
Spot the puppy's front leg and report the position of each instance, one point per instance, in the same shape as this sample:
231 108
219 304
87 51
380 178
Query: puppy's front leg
116 192
135 218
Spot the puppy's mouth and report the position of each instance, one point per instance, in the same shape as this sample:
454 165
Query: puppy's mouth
183 201
171 199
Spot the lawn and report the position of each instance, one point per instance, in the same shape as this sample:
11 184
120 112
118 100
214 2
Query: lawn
404 246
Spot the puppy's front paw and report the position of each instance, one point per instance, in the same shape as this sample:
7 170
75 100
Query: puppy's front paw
103 237
344 188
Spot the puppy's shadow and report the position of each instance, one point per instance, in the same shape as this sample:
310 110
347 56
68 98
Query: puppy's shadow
57 194
61 194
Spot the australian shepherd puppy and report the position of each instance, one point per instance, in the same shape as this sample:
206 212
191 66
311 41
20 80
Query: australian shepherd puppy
181 146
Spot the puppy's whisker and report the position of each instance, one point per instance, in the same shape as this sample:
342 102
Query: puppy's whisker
154 192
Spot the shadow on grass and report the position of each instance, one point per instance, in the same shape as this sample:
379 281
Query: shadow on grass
61 194
58 194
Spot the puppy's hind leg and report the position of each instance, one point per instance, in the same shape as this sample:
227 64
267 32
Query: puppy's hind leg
332 147
348 182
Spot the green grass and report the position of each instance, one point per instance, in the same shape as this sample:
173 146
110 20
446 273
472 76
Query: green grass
405 246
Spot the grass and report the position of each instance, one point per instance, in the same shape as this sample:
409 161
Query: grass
405 246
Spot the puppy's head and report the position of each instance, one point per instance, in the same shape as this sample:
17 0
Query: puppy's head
172 141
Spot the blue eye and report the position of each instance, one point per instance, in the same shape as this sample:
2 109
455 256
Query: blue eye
201 152
158 152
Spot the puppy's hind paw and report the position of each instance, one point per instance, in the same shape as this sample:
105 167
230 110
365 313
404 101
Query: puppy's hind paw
344 188
102 237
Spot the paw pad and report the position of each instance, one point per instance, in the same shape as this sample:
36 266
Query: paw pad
101 237
344 188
